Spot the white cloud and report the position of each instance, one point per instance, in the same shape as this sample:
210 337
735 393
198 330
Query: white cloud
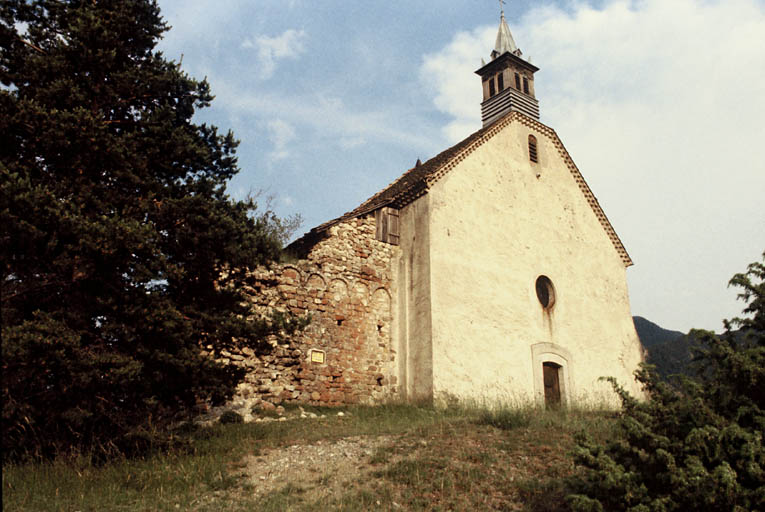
456 89
281 134
328 116
660 105
288 45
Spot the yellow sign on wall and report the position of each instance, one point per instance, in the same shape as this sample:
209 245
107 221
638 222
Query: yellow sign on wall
317 356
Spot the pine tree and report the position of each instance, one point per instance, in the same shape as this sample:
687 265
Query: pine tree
696 443
122 253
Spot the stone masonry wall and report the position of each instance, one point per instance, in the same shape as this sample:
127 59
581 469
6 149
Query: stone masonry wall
344 284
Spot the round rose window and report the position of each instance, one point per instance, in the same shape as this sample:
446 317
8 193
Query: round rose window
545 292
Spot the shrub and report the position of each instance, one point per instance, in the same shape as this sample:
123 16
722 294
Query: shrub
696 443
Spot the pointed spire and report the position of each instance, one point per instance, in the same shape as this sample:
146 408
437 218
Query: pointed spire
505 42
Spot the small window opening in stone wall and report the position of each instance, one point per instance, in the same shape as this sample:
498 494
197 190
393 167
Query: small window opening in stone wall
492 90
533 149
500 82
340 320
386 221
545 292
518 81
525 85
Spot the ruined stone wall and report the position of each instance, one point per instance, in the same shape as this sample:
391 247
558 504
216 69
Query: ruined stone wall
344 284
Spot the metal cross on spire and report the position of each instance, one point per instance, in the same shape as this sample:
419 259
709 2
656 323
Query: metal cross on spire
504 41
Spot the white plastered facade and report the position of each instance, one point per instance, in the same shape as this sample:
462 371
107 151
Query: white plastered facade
469 322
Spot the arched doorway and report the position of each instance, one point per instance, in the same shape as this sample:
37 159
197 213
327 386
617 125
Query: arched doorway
551 379
552 372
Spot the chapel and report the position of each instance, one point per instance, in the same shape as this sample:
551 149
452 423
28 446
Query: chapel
489 272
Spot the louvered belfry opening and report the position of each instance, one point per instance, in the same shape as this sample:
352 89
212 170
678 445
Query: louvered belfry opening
533 149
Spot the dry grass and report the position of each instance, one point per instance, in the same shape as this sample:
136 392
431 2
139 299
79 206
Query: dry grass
392 457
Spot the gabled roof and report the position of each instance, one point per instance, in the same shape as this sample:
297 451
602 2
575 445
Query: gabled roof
416 181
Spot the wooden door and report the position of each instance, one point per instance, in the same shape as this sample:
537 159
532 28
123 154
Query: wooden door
551 373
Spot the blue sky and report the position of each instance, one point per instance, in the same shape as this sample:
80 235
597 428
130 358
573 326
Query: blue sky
659 102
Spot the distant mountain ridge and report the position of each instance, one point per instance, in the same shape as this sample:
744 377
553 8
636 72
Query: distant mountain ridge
669 351
651 334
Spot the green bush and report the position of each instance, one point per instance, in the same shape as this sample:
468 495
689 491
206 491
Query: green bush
696 443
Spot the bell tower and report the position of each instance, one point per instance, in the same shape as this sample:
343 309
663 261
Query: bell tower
508 80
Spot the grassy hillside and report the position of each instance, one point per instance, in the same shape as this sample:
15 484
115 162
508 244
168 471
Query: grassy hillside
392 457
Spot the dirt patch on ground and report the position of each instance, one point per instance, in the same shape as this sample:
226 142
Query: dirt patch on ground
325 468
459 465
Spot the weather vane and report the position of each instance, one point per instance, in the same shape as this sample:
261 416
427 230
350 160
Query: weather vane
502 9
